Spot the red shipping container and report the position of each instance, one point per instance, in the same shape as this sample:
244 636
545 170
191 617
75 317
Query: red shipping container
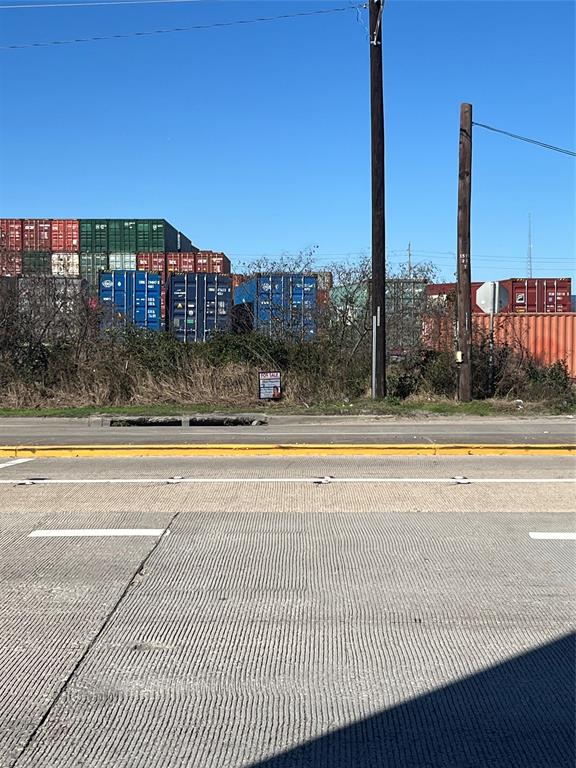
180 262
65 235
529 294
10 263
36 235
211 261
152 262
10 234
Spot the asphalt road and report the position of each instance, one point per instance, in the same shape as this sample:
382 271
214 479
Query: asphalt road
333 612
561 429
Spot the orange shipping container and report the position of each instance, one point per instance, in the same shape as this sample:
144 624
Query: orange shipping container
546 337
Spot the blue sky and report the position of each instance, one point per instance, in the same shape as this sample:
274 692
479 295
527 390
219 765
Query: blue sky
255 139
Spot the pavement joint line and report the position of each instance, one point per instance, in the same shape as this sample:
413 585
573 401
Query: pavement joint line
76 668
287 480
13 462
557 535
46 533
286 449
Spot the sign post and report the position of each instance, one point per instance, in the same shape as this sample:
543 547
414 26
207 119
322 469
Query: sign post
491 297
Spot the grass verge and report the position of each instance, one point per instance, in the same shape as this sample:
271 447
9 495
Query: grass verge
387 407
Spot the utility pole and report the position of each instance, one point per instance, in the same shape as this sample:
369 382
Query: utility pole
409 261
464 353
376 8
529 245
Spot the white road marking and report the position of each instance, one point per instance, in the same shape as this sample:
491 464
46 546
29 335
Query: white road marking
552 535
72 532
264 480
13 462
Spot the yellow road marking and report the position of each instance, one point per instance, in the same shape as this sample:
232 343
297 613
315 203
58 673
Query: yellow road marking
292 449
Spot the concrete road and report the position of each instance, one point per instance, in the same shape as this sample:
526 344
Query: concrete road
313 429
331 612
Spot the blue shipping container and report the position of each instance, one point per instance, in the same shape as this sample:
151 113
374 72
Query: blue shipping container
134 295
198 304
281 303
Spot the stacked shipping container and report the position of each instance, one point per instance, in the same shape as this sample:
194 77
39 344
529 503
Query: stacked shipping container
532 294
132 296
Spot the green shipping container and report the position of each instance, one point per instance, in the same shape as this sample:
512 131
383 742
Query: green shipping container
36 263
154 236
94 235
127 236
90 265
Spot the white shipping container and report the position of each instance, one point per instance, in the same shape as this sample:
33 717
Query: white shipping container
122 261
65 264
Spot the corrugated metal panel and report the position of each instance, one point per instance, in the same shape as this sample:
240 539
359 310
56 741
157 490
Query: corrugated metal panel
180 262
122 261
34 263
122 237
10 263
211 261
152 262
65 235
546 337
133 296
11 234
198 305
36 234
65 264
94 235
155 235
281 303
91 264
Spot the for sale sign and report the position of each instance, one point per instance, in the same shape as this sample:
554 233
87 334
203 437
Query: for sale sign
270 385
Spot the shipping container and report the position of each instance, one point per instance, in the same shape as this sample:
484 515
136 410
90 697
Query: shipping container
152 262
211 261
132 296
91 264
155 262
122 237
54 306
325 281
66 264
185 244
65 235
122 261
281 303
36 235
155 235
10 263
11 235
526 294
198 305
94 236
36 263
180 262
545 337
236 280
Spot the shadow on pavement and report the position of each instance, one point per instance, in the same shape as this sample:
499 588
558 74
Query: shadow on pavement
518 714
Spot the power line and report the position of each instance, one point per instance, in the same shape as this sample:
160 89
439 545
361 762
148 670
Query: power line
524 138
97 3
182 29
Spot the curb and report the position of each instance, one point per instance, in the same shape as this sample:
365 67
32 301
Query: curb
294 449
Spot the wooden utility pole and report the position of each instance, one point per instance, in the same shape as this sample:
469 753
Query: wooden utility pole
464 352
378 220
